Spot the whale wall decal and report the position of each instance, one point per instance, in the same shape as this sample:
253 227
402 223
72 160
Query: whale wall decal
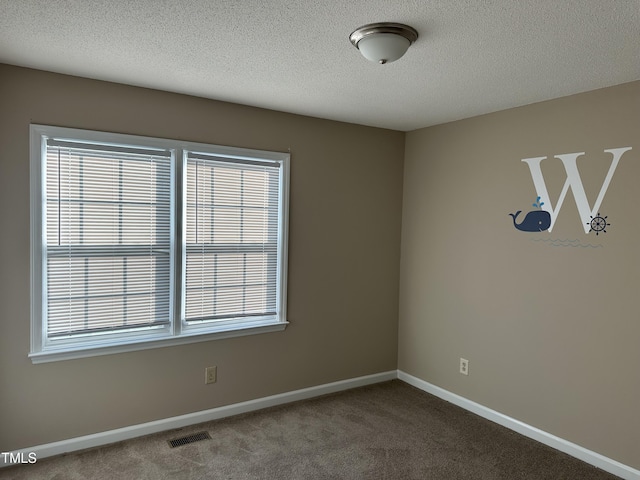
534 221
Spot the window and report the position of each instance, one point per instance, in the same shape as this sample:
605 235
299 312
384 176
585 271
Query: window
143 242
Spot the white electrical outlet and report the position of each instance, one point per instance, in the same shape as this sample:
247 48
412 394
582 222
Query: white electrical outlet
464 366
210 374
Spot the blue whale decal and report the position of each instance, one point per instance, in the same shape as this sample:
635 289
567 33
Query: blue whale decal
534 221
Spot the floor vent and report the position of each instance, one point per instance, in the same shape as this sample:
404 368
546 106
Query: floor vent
196 437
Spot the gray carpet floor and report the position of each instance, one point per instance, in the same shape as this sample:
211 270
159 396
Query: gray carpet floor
386 431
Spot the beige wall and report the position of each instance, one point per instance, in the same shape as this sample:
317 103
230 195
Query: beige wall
346 193
551 331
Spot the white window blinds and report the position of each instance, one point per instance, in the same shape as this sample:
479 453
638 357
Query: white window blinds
142 242
231 249
107 238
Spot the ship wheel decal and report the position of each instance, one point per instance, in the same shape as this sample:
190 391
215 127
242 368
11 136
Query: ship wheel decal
598 224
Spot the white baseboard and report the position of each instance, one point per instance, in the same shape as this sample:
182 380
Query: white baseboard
588 456
126 433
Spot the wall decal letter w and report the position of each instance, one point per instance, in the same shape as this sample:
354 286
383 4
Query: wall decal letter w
573 181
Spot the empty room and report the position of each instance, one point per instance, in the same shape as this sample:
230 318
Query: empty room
319 240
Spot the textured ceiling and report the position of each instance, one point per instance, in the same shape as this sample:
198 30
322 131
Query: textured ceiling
472 57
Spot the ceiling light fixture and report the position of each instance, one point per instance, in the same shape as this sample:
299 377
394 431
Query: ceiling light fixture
383 42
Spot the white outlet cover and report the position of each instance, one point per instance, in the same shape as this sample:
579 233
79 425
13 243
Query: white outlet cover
464 366
210 375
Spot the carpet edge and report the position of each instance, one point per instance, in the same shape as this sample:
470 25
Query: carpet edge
593 458
126 433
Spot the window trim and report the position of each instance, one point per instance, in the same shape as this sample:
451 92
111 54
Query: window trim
175 333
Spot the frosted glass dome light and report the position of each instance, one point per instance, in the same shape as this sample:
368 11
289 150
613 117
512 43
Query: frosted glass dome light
383 42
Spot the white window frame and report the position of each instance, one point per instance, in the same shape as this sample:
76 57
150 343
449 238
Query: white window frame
179 331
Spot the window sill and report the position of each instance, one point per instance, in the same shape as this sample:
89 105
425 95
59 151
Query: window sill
93 351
